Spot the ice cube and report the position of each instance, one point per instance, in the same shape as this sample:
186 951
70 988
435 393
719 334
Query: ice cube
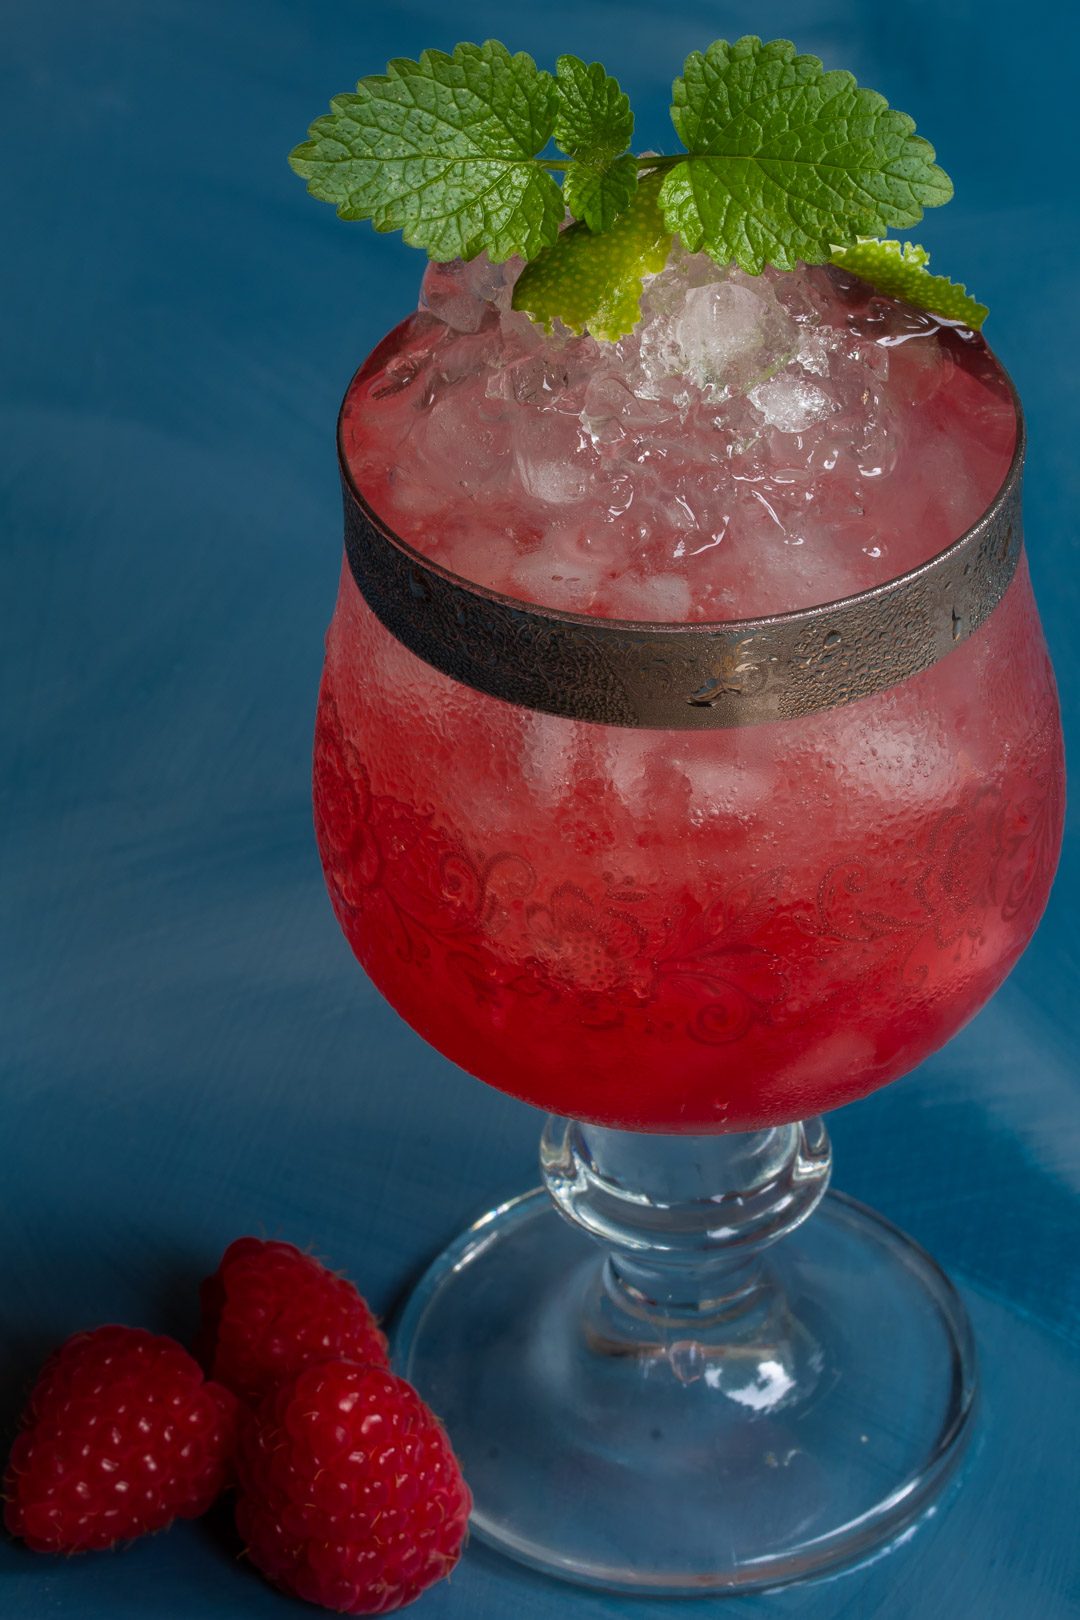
550 455
547 755
891 746
790 403
662 598
725 779
446 294
466 356
462 449
632 756
461 294
539 578
815 347
721 334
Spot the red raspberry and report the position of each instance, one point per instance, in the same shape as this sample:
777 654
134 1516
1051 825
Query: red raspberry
269 1311
350 1495
120 1437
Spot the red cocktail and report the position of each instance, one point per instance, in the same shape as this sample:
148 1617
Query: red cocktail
686 930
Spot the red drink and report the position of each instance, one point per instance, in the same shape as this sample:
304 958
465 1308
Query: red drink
687 931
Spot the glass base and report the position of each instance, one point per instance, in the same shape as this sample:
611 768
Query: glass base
674 1462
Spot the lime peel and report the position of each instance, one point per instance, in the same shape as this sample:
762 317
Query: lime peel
900 272
592 281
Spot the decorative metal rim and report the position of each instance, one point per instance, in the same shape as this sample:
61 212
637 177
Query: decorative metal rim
692 676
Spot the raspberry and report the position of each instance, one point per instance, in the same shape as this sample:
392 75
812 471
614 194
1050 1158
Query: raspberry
350 1495
269 1311
121 1435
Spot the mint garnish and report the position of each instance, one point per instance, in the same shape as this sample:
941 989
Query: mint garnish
443 150
787 160
594 126
783 162
901 273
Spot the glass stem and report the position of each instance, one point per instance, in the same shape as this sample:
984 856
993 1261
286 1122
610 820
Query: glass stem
685 1221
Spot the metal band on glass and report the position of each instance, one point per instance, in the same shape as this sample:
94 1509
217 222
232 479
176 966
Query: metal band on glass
686 676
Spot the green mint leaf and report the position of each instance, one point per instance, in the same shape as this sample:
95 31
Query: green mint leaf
593 121
599 196
901 273
592 281
787 161
444 151
594 126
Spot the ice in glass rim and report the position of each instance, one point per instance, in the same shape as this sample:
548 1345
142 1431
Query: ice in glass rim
708 932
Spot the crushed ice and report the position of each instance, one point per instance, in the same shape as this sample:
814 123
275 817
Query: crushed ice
732 455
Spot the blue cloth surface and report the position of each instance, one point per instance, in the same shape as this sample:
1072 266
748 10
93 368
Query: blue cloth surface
189 1050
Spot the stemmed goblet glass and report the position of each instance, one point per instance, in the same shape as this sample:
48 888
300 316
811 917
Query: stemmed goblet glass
686 887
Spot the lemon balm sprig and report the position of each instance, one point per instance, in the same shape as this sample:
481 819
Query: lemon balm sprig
781 162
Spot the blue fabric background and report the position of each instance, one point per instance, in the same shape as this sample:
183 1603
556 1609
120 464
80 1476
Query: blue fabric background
189 1051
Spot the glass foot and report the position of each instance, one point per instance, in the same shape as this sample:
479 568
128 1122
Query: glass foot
803 1420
